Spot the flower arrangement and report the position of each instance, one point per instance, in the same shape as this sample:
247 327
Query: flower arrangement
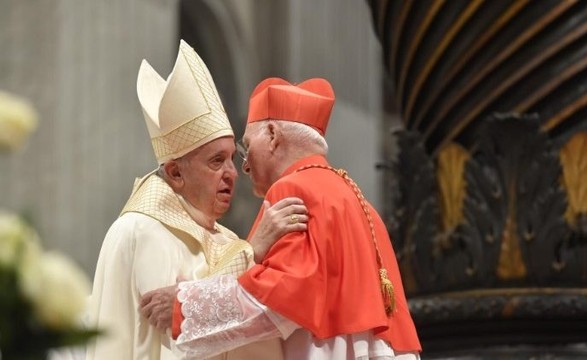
43 293
17 120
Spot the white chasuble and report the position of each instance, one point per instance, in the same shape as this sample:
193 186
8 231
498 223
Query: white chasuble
152 244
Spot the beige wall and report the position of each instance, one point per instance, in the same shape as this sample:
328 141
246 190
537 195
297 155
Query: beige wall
77 61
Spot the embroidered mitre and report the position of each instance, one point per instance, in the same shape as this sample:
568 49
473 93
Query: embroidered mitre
184 111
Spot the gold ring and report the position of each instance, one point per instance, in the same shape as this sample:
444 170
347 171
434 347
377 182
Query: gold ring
293 219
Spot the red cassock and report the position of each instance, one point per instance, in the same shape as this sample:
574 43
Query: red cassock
327 279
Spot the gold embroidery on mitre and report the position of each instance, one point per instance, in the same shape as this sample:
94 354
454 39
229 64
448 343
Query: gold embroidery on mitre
153 197
184 111
202 129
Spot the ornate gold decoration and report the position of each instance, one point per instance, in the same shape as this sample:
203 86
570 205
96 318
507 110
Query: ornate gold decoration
573 157
510 264
437 54
451 184
431 14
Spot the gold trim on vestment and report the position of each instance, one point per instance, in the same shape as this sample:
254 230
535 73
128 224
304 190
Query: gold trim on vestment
152 196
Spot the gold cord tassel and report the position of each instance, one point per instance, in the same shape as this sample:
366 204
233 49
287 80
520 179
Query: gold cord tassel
387 291
386 285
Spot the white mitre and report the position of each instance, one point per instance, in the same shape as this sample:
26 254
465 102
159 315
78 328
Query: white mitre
184 112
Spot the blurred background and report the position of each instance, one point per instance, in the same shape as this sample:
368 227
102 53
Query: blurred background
464 122
77 62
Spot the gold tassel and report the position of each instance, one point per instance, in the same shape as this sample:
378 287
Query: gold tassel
387 291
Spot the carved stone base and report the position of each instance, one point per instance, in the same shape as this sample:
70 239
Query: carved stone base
503 324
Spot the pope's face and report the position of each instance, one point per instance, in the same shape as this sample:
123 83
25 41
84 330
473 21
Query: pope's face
209 176
258 163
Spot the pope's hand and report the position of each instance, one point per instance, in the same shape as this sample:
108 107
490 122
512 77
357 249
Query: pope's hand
157 306
285 216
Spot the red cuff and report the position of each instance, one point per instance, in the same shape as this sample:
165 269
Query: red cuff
176 320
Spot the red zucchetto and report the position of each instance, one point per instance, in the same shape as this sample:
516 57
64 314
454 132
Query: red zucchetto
309 102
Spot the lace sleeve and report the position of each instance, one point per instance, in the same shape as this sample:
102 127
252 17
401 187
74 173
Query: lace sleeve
218 317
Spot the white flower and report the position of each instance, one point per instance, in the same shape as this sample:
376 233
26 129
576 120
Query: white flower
15 239
58 289
17 120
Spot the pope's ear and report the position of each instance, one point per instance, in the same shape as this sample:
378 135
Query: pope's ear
172 171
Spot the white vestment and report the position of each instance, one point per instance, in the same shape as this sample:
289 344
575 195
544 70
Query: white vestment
153 244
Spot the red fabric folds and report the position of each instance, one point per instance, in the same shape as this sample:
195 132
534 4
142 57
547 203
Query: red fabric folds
326 279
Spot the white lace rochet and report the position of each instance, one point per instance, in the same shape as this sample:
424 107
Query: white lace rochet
219 317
